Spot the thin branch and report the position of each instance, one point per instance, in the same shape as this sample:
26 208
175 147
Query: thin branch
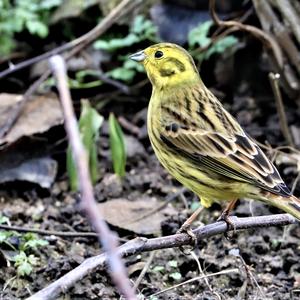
274 80
88 202
267 40
144 271
119 11
50 232
140 245
224 272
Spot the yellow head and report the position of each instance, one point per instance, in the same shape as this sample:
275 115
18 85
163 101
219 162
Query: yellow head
167 65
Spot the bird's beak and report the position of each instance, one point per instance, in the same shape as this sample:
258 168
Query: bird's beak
138 56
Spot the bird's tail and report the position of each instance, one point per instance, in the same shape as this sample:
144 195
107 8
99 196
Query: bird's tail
289 204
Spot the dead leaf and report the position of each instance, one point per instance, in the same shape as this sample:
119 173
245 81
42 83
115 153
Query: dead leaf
128 214
40 114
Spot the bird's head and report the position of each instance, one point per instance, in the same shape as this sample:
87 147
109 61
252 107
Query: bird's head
167 65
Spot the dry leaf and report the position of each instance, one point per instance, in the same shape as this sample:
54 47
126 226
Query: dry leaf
128 214
39 115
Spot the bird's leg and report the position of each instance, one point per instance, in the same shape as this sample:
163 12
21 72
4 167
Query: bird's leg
225 214
186 226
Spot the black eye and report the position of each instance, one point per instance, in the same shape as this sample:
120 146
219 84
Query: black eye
158 54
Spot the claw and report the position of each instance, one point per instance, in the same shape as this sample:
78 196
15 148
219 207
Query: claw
230 225
185 228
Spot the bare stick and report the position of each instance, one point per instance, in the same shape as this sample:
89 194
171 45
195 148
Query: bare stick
107 238
267 40
224 272
119 11
140 245
274 78
144 271
50 232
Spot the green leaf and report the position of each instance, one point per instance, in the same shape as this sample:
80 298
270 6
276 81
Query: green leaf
4 235
141 30
127 71
144 28
89 124
173 263
117 43
221 46
37 27
4 220
34 244
23 264
117 146
176 276
198 35
157 269
122 74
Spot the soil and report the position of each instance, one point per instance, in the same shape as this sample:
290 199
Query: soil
268 260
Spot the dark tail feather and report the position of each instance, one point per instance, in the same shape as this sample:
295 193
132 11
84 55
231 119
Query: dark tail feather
294 205
290 204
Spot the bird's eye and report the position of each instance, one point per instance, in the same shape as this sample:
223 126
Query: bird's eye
158 54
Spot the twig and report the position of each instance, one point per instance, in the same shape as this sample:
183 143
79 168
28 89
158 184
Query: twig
249 274
88 203
201 272
268 41
140 245
122 9
145 269
274 78
49 232
129 126
224 272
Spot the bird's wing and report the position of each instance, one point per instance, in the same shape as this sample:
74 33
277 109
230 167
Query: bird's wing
236 156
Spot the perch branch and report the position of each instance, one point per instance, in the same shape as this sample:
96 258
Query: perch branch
88 203
140 245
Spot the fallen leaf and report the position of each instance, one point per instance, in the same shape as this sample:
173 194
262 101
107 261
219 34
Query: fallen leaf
39 115
128 214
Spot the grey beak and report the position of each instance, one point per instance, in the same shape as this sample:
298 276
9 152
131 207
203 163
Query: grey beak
138 56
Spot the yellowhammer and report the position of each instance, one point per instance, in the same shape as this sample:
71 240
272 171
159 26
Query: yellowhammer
199 142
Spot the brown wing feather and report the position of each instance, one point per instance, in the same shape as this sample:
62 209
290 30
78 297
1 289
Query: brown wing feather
237 156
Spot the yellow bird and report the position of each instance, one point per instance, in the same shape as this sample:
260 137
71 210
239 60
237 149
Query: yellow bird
198 141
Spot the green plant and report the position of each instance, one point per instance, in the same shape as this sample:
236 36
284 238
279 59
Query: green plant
117 146
140 30
19 15
22 257
25 263
199 37
90 122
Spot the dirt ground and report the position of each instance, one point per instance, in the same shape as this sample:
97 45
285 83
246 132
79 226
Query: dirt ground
268 260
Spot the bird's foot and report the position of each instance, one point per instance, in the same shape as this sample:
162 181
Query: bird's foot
186 228
230 225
